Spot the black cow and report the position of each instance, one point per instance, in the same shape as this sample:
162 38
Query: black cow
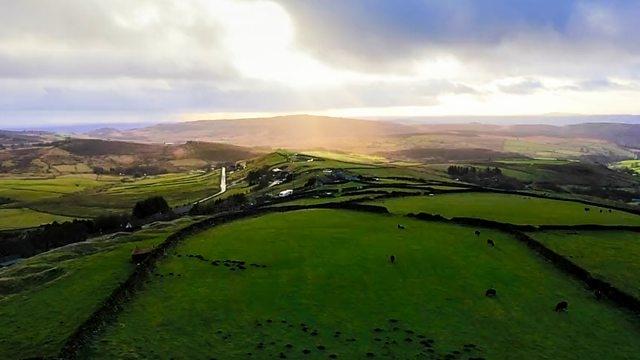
477 233
392 258
599 294
490 293
491 243
400 226
562 306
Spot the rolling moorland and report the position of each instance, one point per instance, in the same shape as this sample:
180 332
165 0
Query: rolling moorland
324 244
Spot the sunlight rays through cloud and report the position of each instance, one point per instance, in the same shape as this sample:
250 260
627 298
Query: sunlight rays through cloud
180 59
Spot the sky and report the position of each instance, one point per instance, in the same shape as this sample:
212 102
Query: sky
97 61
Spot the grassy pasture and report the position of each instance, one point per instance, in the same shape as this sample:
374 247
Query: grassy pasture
388 190
327 271
610 255
32 189
633 165
560 148
325 200
348 157
535 161
44 298
426 173
515 209
25 218
116 197
176 188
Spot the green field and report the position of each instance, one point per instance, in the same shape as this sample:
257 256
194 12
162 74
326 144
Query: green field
44 298
327 271
609 255
541 147
86 196
515 209
325 200
349 157
178 188
25 218
31 189
633 165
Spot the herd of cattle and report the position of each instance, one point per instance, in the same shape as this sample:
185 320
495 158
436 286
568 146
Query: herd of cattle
562 306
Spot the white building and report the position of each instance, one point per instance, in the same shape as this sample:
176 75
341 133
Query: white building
285 193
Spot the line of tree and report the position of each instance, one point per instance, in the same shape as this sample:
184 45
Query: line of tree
151 206
487 172
30 242
135 171
489 177
259 177
50 236
262 177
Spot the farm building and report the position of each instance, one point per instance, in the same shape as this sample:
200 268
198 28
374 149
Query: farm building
285 193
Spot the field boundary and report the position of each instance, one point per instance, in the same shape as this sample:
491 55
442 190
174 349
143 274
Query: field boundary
470 188
115 302
552 197
600 287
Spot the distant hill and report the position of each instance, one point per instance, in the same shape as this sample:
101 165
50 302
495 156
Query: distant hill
627 135
282 131
306 131
23 138
87 155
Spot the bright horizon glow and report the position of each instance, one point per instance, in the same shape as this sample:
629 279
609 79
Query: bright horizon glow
451 106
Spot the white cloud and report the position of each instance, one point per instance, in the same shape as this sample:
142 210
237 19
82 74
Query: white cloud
173 58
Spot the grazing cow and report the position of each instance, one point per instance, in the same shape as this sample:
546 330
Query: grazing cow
562 306
477 232
392 258
490 293
587 209
491 243
400 226
599 294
